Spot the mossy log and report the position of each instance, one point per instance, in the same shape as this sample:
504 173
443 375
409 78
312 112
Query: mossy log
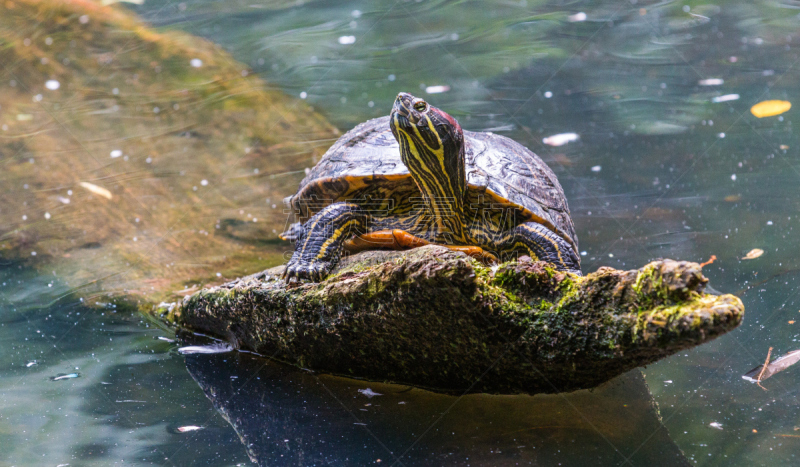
436 319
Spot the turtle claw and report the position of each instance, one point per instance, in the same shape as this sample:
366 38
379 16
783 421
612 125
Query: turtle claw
298 272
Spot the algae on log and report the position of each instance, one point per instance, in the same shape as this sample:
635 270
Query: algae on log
434 318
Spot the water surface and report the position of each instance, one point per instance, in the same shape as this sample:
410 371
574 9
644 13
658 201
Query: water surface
669 163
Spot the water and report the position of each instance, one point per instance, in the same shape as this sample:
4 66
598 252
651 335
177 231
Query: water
659 170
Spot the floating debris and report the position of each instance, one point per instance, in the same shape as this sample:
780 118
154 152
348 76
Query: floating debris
61 376
437 89
770 108
711 82
560 139
347 40
220 347
369 393
188 428
710 261
754 253
24 117
726 98
577 17
167 339
52 84
597 168
98 190
31 363
115 153
762 372
716 425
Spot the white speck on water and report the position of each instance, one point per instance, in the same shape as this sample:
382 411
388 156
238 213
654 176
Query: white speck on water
597 168
303 95
548 94
669 381
370 104
356 14
156 110
711 82
60 377
725 98
135 239
255 219
369 393
454 36
47 215
437 89
5 127
204 182
733 177
716 425
721 135
149 160
205 349
37 98
560 139
391 77
577 17
84 19
24 217
188 428
52 84
69 192
196 62
219 274
194 188
347 40
31 363
686 8
63 199
769 222
115 91
583 253
115 153
611 255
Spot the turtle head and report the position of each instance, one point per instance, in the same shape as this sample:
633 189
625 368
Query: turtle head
432 147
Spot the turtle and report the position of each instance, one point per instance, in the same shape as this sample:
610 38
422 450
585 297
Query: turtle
415 177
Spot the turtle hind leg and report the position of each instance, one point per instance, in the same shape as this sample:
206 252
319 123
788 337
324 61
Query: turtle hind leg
541 244
319 245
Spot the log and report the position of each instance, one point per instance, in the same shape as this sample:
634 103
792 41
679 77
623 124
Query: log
437 319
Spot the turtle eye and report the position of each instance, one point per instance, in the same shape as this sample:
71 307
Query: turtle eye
420 106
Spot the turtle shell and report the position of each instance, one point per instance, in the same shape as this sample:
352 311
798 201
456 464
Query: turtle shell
499 171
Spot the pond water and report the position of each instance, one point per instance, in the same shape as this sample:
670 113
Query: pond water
668 161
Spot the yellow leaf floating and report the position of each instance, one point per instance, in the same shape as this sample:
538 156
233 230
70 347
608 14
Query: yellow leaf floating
754 253
770 108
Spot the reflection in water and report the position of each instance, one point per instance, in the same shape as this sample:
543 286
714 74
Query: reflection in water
286 416
669 161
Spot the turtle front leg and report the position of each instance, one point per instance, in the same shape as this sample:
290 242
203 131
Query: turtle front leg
541 244
319 245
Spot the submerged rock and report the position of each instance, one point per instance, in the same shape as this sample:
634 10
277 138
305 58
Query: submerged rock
436 319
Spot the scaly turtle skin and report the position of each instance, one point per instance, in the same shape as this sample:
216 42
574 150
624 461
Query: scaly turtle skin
414 178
